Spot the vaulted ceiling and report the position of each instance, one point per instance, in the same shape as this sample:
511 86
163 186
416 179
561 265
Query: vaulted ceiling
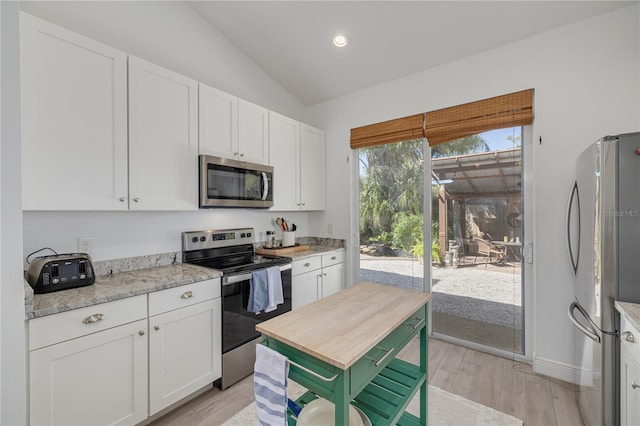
291 40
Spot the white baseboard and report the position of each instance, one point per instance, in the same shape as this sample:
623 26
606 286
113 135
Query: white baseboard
559 370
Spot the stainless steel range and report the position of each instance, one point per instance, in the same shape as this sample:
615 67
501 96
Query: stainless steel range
231 251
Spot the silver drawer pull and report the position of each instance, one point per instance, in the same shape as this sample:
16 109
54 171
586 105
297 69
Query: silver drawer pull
333 258
141 332
188 294
306 265
93 318
628 336
418 324
634 385
377 362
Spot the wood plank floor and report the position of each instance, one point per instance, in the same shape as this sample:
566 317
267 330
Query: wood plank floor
503 384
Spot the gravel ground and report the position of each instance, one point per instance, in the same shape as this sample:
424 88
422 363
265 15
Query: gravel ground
469 292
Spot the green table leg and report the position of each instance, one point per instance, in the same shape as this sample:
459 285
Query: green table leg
424 369
341 400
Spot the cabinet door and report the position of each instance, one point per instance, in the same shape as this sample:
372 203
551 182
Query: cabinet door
312 169
253 133
305 289
98 379
284 145
629 395
74 120
332 279
218 122
185 352
163 138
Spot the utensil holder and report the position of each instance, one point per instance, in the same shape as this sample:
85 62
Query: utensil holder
288 239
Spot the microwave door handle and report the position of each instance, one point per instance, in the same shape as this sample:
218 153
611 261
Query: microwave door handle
591 331
265 186
573 194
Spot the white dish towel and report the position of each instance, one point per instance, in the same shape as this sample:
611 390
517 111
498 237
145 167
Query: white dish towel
270 386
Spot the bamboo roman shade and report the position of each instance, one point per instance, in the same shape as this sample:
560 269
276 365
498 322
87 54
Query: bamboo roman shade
448 124
398 130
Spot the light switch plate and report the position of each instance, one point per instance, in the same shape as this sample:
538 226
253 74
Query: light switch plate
85 245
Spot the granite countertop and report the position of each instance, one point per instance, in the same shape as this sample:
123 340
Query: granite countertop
313 251
118 286
631 311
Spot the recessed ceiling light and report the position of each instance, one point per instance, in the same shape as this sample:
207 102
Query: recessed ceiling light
340 40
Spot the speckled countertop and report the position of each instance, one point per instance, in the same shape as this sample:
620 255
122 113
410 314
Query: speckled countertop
118 286
631 311
313 251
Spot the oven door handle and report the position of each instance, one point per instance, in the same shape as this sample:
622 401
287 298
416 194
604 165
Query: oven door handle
232 279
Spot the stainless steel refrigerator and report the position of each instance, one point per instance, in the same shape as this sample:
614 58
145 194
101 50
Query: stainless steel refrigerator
603 240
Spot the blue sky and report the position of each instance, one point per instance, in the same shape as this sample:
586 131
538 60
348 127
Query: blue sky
497 139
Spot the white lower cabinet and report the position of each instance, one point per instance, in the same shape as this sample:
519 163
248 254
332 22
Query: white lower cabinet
182 352
315 277
97 378
629 374
118 363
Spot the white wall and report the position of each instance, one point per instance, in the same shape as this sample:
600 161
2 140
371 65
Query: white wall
12 341
586 78
173 35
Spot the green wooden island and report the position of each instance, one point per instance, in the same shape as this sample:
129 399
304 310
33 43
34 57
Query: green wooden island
343 348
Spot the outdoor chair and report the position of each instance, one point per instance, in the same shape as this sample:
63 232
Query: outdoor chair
485 248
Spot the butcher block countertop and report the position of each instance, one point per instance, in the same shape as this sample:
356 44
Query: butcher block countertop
341 328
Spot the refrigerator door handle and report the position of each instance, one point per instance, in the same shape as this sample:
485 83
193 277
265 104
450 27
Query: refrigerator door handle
591 331
573 194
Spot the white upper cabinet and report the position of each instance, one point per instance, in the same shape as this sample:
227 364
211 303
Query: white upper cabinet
218 123
296 152
232 128
253 132
312 166
74 120
284 154
163 138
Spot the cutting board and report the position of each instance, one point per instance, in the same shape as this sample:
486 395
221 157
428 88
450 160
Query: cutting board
281 250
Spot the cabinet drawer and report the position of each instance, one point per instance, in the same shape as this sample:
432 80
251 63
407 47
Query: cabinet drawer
185 295
332 258
57 328
305 265
366 369
632 342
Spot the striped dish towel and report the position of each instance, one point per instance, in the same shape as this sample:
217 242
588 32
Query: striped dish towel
270 386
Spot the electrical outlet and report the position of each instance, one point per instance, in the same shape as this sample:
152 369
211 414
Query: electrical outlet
85 244
330 229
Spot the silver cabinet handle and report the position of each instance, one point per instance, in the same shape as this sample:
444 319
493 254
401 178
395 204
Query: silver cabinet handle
333 258
379 361
122 199
628 336
141 332
93 318
304 204
136 199
634 385
187 294
416 325
306 265
156 327
235 154
241 155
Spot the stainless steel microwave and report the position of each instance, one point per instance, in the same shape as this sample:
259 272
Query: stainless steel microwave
230 183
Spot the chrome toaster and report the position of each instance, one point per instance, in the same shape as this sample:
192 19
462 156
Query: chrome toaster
60 272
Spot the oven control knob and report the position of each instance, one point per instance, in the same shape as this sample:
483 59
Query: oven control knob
248 234
203 239
194 239
243 235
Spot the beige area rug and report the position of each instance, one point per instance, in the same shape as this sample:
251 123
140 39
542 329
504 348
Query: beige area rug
445 409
